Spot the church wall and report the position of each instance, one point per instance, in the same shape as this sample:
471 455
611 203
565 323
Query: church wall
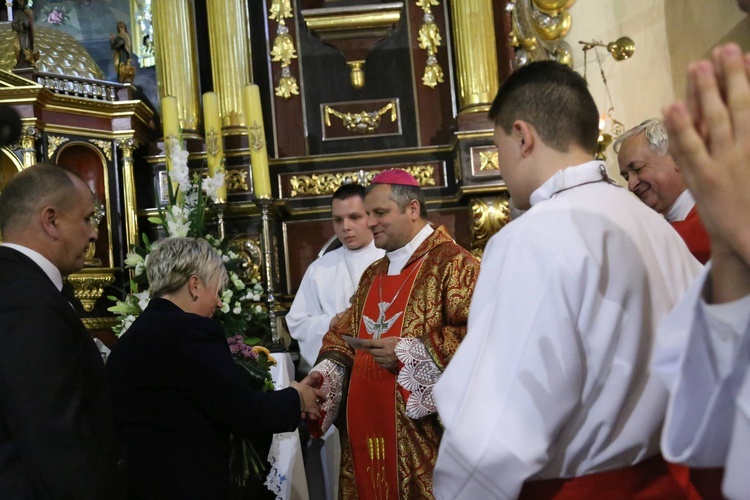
667 33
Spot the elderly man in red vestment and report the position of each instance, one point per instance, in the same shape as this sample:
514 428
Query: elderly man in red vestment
653 176
379 362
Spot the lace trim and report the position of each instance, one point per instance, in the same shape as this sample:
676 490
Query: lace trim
277 482
332 387
419 375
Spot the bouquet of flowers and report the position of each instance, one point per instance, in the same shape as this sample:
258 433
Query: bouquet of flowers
241 310
255 361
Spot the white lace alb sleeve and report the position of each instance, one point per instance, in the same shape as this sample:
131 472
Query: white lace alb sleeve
333 383
419 375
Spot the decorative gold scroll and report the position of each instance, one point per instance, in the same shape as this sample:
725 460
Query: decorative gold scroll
429 40
54 142
105 146
364 122
488 217
283 47
88 287
323 184
236 180
538 29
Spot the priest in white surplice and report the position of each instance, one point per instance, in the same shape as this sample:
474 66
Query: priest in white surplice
331 280
325 291
550 393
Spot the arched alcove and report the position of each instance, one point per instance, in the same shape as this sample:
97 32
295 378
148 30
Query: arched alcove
91 166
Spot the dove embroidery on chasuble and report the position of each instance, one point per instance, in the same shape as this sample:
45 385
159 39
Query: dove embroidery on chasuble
372 406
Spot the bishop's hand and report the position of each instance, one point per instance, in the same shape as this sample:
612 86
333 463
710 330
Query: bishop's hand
383 350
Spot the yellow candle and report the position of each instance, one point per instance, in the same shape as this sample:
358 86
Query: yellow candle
170 122
214 142
257 139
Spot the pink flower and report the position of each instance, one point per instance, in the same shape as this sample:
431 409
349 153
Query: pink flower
55 17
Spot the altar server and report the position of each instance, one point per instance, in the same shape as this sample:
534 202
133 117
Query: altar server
550 394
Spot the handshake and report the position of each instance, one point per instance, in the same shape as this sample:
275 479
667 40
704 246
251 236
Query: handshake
310 396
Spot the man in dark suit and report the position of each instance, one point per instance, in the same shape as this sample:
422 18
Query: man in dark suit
56 426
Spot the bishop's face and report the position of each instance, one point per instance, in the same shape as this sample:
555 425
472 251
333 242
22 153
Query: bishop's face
391 228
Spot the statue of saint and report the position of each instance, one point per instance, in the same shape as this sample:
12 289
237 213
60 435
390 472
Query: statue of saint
23 25
122 51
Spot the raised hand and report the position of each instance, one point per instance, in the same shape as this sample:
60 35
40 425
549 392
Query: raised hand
710 139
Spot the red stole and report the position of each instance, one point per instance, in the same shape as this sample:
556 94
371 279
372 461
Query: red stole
371 406
695 236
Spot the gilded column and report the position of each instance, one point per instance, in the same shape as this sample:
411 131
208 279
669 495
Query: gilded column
228 31
177 59
127 146
29 135
476 54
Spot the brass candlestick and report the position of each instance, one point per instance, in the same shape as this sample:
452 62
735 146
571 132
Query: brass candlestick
219 207
268 266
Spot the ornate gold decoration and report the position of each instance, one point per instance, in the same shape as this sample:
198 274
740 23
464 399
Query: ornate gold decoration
127 146
29 135
488 217
236 180
538 27
54 142
251 255
488 160
105 146
429 40
105 323
322 184
59 53
89 286
283 50
364 122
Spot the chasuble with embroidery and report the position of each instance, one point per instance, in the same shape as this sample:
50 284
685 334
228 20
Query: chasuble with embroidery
390 431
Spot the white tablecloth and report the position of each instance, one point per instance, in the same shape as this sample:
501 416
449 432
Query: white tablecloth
287 476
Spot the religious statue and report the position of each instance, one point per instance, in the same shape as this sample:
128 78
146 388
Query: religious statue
121 53
23 25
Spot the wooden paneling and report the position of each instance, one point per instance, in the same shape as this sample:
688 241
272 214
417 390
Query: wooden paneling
304 239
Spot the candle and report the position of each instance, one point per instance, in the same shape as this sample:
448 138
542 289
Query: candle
170 122
257 140
214 141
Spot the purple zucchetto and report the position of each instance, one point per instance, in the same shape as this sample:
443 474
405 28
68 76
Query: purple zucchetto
395 176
